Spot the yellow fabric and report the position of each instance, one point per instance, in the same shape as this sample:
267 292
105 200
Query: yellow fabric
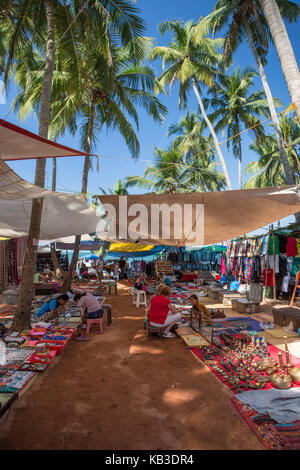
278 332
129 247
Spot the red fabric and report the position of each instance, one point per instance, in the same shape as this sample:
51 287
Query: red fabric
269 277
189 277
291 247
159 308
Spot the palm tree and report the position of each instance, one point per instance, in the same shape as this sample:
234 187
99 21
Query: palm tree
166 175
247 19
121 17
283 46
171 173
22 316
268 170
236 107
190 139
192 58
119 189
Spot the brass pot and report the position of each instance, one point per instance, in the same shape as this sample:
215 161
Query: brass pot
294 372
267 363
271 370
281 381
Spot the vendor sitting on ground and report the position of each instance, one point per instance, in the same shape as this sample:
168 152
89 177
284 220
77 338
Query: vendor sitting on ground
163 313
53 308
141 282
89 306
200 310
47 277
198 307
177 271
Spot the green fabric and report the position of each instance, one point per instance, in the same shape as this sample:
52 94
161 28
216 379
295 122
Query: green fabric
268 292
295 267
276 240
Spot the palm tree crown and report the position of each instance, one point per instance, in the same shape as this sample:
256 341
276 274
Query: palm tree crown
237 107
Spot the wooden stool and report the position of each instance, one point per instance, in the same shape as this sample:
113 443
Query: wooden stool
154 330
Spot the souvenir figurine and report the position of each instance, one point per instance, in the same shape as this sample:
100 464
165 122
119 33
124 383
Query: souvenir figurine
287 354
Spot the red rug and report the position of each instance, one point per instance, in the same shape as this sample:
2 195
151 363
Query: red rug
272 352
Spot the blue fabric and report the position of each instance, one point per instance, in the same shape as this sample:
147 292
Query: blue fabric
97 314
282 405
47 307
55 338
234 285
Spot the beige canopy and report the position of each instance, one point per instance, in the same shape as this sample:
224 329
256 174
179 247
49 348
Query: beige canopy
63 214
225 215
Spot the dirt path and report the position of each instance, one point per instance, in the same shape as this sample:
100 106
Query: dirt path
120 391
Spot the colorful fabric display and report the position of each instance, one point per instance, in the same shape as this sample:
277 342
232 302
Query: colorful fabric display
282 244
276 242
268 276
291 247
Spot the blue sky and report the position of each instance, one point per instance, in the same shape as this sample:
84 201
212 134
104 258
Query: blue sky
115 159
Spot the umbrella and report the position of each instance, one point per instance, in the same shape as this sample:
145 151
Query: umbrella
91 257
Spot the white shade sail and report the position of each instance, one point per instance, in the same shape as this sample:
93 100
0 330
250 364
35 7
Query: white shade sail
63 215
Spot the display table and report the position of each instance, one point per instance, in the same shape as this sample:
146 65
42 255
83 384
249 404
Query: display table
282 316
227 297
215 292
189 276
45 288
245 306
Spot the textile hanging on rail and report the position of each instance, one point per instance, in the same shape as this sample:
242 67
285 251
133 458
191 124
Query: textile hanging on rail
8 272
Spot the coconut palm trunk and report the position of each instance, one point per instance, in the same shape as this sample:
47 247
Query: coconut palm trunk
66 286
240 152
22 317
275 120
54 257
284 50
212 131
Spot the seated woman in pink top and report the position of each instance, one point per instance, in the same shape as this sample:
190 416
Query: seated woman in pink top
89 306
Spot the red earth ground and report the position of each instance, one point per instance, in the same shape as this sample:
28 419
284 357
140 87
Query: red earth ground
119 391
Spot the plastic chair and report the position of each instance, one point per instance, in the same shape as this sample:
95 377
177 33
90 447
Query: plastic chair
139 297
90 321
112 285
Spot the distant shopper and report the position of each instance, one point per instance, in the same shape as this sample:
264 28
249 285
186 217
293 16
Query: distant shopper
37 277
99 268
177 271
52 308
122 264
163 313
89 306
